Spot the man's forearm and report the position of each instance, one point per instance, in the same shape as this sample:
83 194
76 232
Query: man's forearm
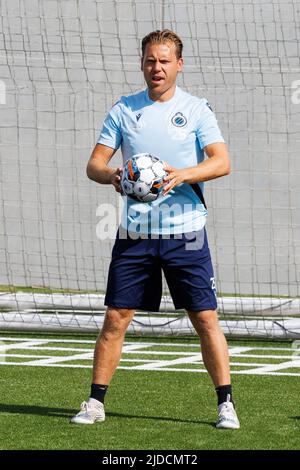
99 173
211 168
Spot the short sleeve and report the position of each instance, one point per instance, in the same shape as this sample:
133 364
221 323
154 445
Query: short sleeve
208 131
111 135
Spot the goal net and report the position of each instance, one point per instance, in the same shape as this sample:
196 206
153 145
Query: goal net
62 66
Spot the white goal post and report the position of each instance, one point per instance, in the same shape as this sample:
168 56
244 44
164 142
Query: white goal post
239 316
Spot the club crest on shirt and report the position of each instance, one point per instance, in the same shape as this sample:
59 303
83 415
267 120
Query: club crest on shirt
179 120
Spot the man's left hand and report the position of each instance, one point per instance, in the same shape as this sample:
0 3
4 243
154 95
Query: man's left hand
173 178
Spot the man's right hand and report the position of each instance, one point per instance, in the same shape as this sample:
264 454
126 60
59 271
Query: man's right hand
98 169
115 179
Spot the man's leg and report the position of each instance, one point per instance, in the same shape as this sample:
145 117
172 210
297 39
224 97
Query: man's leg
109 344
107 356
213 345
216 360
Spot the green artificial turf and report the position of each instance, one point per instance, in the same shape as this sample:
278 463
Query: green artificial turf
145 410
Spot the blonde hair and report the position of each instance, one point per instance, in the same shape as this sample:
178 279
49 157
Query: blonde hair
161 37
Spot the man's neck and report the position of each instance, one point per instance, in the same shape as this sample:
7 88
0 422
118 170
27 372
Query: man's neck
161 98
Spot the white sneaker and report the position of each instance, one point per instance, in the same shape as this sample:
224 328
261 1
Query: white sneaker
90 412
227 416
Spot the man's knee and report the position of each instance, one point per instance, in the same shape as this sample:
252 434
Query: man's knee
205 322
116 321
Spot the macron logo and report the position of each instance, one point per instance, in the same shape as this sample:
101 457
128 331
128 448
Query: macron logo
138 116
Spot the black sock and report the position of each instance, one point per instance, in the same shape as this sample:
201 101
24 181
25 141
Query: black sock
98 392
223 391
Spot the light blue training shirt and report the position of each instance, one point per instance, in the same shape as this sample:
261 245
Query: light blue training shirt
175 131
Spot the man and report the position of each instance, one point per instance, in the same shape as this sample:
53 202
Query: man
165 121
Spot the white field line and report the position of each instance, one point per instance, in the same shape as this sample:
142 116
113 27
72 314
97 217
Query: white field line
21 345
54 360
193 345
266 356
190 345
49 348
137 360
161 364
36 356
79 366
179 345
139 348
260 348
197 359
68 366
163 353
128 351
258 365
276 367
133 347
234 353
153 353
157 353
7 338
238 349
238 372
142 361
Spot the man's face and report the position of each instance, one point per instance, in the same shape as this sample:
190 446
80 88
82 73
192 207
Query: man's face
160 66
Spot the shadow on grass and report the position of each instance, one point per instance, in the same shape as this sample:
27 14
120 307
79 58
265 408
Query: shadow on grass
36 410
161 418
68 413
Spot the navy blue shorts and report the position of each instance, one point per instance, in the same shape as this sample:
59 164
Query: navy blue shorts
135 273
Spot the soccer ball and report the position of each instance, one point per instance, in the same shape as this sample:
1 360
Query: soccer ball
143 177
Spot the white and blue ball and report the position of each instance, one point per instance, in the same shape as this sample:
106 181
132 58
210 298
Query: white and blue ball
143 177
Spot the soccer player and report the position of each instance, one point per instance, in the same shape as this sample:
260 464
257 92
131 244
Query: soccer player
179 128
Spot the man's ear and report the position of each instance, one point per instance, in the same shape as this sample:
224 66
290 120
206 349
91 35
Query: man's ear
180 65
142 59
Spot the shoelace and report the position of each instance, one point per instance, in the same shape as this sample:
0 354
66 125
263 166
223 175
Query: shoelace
226 410
227 407
84 406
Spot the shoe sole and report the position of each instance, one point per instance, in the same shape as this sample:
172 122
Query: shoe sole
230 426
79 421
